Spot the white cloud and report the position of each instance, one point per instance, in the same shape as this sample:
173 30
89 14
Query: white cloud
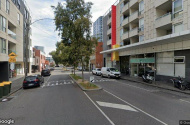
43 32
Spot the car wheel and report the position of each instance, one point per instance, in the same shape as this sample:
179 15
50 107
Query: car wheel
96 74
102 75
109 76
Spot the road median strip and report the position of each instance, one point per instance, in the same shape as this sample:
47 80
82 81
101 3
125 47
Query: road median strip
86 85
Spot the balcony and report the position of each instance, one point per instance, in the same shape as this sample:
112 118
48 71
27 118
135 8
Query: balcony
163 20
160 2
134 32
125 21
134 16
109 21
125 8
125 36
133 2
11 34
109 42
109 32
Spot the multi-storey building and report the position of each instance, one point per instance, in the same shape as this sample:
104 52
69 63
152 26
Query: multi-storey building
11 38
142 35
98 29
27 42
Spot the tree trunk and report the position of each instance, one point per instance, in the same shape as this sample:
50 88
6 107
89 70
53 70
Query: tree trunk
74 69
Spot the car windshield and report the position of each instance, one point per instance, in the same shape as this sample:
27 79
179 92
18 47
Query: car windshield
29 78
113 69
98 69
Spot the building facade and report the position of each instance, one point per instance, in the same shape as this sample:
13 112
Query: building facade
98 29
142 35
39 60
11 39
27 32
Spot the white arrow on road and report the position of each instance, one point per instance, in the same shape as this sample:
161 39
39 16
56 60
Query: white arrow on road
118 106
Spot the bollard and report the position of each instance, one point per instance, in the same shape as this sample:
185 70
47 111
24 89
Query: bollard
1 90
9 83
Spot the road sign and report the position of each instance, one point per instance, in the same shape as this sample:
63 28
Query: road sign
12 57
12 66
91 78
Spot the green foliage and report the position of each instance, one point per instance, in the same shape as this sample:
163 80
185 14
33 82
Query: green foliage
75 77
55 56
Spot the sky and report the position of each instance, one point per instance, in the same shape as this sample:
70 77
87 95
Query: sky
43 32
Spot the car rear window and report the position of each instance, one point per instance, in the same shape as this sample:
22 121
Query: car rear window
30 78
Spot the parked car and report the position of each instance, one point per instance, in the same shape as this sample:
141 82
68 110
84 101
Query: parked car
80 68
32 81
45 72
57 66
51 68
110 72
96 71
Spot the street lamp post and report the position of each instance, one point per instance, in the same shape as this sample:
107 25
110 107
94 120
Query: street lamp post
27 41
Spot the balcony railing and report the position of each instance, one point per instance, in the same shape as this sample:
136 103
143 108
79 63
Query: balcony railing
132 2
109 21
125 36
125 21
134 32
125 8
109 42
11 34
163 20
109 31
160 2
134 16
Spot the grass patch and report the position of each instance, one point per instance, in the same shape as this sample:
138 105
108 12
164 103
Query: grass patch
75 77
89 86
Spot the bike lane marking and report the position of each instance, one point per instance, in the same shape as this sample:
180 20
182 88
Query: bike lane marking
100 110
136 108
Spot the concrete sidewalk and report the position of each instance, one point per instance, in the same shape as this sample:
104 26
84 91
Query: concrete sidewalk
158 84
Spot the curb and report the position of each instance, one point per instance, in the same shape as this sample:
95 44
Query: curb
83 89
10 94
155 86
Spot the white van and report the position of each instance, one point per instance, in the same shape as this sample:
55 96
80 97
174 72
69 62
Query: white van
110 72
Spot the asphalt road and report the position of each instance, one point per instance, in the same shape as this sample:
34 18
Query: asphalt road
59 101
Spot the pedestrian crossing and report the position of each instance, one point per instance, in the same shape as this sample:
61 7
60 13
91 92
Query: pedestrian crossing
57 83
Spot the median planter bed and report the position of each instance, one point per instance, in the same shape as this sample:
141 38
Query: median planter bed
86 85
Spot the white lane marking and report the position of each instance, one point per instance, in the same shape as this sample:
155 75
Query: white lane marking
100 110
57 83
184 100
65 83
138 87
46 82
136 108
117 106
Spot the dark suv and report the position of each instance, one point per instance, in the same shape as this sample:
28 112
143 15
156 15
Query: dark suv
45 72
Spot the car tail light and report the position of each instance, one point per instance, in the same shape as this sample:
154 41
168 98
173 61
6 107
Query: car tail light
24 81
36 80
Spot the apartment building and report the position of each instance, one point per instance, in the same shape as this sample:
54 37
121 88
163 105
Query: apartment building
11 38
142 35
98 29
27 32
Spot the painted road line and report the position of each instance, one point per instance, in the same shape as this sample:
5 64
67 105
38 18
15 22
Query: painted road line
46 82
137 108
57 83
117 106
138 87
184 101
99 109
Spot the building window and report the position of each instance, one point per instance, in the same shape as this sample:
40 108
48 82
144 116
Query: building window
178 28
2 23
141 7
179 59
141 24
177 7
7 6
3 45
18 18
141 38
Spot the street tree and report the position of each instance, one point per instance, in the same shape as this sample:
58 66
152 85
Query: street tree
73 22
